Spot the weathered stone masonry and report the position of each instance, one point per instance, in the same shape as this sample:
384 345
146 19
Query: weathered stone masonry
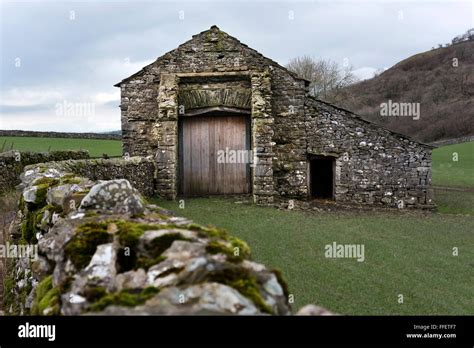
13 162
373 165
112 253
216 72
82 265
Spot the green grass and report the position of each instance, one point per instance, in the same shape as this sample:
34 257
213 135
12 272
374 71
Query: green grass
96 147
408 253
454 201
405 253
453 181
447 172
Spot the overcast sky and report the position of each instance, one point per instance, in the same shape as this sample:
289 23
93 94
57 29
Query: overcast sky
55 54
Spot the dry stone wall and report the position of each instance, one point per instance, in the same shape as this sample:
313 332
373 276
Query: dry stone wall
140 171
109 252
13 162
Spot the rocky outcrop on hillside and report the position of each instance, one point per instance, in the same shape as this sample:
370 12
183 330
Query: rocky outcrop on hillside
102 249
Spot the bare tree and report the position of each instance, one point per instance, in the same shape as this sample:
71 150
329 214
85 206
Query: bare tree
327 77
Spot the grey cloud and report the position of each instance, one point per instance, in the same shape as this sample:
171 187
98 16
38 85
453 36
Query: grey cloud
14 109
76 56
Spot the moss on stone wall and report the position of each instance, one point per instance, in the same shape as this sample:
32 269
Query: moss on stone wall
127 298
28 228
74 240
47 298
238 246
84 242
11 165
215 247
241 280
10 304
282 281
129 234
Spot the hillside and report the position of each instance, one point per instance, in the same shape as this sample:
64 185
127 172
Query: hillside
444 89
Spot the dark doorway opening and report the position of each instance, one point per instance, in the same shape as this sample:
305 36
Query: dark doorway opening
321 177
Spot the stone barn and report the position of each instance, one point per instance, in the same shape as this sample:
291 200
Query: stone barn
220 118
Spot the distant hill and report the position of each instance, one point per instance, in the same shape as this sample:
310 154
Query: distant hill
441 80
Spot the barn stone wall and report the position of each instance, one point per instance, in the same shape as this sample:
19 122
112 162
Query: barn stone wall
151 101
373 165
216 70
139 112
289 165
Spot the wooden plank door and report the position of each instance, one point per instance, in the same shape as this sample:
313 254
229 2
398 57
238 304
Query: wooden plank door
202 138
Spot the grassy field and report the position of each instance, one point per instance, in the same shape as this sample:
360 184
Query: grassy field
453 181
95 147
406 253
452 201
447 172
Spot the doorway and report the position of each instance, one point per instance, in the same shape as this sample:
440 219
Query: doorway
321 178
201 139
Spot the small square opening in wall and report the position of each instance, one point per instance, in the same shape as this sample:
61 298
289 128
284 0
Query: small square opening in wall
321 177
